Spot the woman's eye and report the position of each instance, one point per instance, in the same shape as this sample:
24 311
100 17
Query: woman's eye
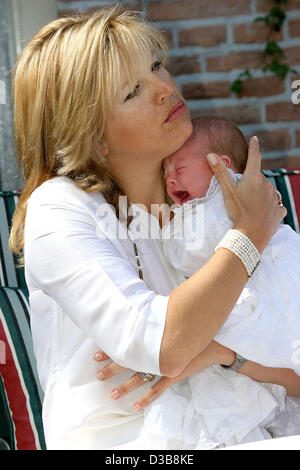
156 66
133 93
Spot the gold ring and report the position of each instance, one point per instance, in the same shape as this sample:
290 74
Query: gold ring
147 377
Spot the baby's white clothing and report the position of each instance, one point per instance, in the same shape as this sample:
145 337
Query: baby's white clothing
264 326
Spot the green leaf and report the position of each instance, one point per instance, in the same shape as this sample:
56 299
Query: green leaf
278 12
273 48
273 53
237 86
277 16
280 70
246 74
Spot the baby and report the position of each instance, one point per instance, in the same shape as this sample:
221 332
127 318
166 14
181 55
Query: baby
264 325
187 173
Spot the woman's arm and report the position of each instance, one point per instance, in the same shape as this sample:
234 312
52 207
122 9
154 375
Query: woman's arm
198 308
213 354
285 377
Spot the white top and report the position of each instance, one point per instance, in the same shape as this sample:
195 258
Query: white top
85 294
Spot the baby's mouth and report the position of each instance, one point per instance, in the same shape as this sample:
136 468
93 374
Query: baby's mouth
181 196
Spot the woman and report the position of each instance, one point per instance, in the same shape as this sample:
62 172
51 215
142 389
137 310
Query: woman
95 114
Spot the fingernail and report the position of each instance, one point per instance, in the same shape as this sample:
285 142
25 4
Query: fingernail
98 356
114 394
100 375
136 407
255 138
212 159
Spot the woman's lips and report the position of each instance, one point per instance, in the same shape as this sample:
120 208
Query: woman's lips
176 111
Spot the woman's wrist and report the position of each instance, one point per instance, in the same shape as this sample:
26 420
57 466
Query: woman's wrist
257 237
242 247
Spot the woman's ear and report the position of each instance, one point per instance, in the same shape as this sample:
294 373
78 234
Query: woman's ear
103 148
226 161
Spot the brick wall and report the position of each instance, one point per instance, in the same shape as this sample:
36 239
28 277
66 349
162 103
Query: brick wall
211 42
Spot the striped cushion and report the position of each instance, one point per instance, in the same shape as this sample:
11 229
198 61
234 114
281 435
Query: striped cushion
10 276
287 181
19 385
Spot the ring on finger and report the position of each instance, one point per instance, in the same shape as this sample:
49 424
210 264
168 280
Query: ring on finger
279 197
147 377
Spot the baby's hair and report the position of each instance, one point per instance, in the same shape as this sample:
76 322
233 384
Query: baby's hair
223 138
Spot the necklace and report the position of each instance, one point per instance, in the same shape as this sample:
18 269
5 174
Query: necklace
137 257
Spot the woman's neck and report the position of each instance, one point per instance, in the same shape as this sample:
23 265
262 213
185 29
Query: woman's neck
142 187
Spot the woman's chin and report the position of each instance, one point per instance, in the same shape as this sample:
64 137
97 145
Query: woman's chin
183 132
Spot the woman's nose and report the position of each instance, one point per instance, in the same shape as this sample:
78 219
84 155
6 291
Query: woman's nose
163 90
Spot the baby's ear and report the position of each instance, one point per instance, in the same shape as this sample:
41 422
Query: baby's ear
226 161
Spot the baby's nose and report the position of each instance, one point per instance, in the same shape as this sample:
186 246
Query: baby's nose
170 179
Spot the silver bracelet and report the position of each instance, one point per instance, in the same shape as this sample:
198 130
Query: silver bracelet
238 363
243 248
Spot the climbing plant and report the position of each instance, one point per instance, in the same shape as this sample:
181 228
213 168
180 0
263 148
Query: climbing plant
273 55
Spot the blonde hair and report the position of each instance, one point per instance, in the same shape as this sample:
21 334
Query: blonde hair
64 84
222 137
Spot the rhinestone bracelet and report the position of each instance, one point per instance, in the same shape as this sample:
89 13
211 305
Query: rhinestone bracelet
243 248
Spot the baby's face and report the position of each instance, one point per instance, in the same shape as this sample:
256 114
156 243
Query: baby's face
187 173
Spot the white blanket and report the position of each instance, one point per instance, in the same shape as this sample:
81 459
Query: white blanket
218 407
264 325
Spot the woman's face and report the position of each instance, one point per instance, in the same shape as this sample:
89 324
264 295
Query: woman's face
149 121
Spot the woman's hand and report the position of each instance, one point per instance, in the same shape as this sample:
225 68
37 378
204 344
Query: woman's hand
252 202
131 384
213 354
